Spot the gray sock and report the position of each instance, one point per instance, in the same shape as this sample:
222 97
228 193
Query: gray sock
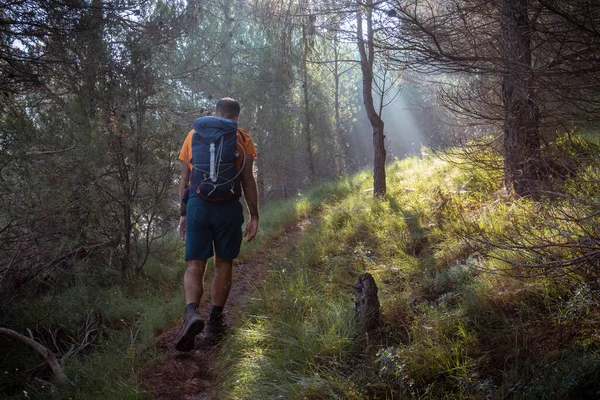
192 307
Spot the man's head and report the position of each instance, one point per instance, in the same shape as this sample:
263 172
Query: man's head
228 108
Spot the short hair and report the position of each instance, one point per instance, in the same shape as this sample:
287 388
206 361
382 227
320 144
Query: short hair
228 108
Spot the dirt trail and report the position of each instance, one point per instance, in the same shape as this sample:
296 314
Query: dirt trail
193 375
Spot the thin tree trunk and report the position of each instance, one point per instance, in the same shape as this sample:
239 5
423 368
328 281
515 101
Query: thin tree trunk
227 47
118 149
307 130
366 65
341 145
521 132
126 256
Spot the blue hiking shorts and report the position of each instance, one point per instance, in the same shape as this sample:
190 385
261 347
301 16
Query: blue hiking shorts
213 225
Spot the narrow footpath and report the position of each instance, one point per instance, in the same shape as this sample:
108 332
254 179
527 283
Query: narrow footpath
193 375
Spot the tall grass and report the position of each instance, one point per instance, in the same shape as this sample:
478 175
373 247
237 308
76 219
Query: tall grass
453 328
125 318
276 216
129 314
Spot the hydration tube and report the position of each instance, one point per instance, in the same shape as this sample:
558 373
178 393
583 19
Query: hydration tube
212 163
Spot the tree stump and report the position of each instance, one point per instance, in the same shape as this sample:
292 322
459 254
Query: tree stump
367 303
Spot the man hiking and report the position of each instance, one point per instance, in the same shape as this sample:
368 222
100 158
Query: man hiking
216 162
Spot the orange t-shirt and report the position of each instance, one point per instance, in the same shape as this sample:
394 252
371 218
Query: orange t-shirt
243 139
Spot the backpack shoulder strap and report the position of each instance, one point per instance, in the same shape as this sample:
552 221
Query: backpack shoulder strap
240 134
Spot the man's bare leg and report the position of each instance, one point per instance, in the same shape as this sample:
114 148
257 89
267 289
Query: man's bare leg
221 282
220 291
193 281
193 286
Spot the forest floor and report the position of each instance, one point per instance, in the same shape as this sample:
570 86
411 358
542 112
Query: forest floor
194 375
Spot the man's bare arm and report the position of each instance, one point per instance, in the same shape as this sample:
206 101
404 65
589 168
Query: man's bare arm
251 196
184 178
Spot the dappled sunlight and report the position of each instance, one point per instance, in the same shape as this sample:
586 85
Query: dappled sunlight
445 314
446 149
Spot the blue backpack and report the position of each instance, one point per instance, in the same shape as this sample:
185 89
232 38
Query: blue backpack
215 155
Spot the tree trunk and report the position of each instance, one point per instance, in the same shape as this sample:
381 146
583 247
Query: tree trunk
521 132
126 255
227 47
366 66
379 184
307 131
338 129
123 178
343 156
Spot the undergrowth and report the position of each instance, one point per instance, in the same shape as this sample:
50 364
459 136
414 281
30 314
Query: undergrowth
476 298
123 319
462 319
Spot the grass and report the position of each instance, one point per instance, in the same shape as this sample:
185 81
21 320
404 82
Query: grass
461 319
278 215
127 316
453 327
130 315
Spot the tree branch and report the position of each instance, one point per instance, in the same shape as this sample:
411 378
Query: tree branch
48 356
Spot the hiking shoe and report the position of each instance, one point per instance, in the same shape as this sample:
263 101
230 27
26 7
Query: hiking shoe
214 330
192 326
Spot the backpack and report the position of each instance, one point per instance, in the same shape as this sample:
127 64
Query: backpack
215 155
